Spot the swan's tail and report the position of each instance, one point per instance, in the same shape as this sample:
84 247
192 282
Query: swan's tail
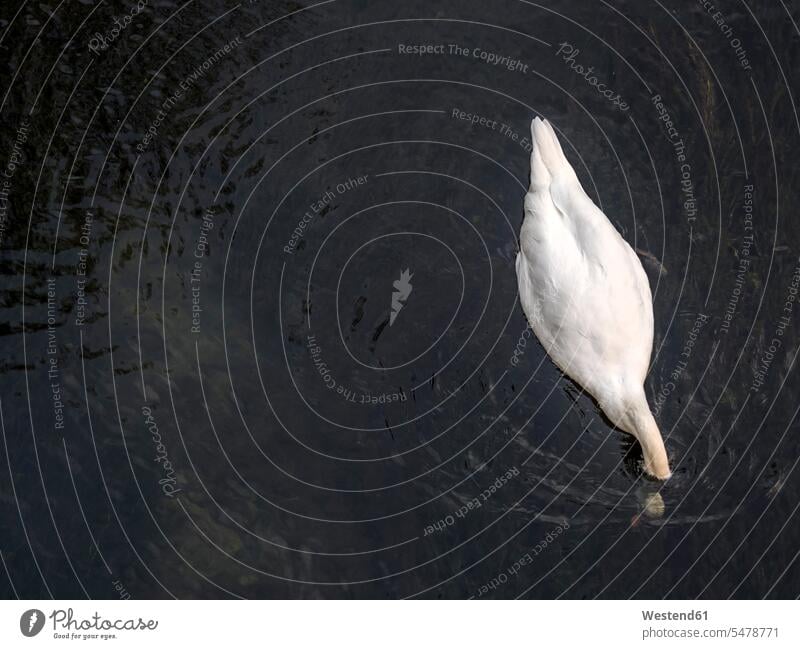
547 158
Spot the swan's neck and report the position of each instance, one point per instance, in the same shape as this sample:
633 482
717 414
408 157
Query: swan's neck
656 462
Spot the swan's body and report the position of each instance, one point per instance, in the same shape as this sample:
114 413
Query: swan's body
586 295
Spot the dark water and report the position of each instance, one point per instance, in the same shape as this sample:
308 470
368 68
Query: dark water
216 381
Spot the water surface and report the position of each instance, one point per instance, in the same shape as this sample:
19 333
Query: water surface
261 335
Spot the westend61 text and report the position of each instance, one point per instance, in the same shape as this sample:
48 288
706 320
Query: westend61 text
673 615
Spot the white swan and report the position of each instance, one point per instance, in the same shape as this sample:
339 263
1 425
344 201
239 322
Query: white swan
586 295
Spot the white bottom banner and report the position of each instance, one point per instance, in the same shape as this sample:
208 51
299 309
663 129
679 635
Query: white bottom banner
400 624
